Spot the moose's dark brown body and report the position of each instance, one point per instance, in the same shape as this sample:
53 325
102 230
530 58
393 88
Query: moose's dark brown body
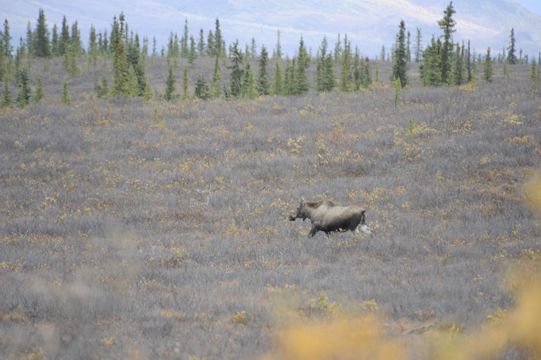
329 217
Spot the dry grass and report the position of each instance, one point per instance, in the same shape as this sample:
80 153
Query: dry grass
159 230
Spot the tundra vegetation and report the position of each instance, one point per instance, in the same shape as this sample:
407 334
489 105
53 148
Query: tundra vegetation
137 227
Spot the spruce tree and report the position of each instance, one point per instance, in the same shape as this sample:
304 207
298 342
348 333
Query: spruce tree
75 39
92 45
399 58
6 40
144 50
408 48
211 51
218 45
170 46
474 74
302 64
319 73
25 93
132 84
447 24
55 42
329 73
278 52
488 67
66 98
192 53
64 37
397 86
236 71
42 42
457 74
366 78
184 50
468 63
106 44
431 65
30 41
39 90
345 78
19 53
337 49
320 65
418 46
121 68
201 43
6 96
289 77
253 49
170 85
277 87
511 56
262 77
216 86
357 71
70 60
2 59
248 83
185 83
201 88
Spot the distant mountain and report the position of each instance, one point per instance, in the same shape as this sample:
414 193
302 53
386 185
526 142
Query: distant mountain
368 23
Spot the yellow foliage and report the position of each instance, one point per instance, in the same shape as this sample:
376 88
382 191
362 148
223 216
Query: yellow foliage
241 318
295 145
468 87
363 336
484 160
519 140
39 355
532 189
108 341
513 120
519 328
419 129
342 338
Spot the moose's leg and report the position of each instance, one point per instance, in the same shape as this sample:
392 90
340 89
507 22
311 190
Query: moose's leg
353 226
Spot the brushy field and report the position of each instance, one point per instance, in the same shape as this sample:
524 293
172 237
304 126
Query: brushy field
159 230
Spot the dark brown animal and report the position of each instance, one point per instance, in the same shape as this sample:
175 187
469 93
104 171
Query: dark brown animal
329 217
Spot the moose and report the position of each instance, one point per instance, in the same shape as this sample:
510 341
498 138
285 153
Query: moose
328 217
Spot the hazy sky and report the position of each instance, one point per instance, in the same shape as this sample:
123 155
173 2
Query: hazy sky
532 5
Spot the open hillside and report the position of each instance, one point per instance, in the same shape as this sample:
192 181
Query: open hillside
133 229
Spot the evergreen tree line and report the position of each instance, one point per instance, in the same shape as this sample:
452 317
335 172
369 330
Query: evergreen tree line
441 62
447 63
